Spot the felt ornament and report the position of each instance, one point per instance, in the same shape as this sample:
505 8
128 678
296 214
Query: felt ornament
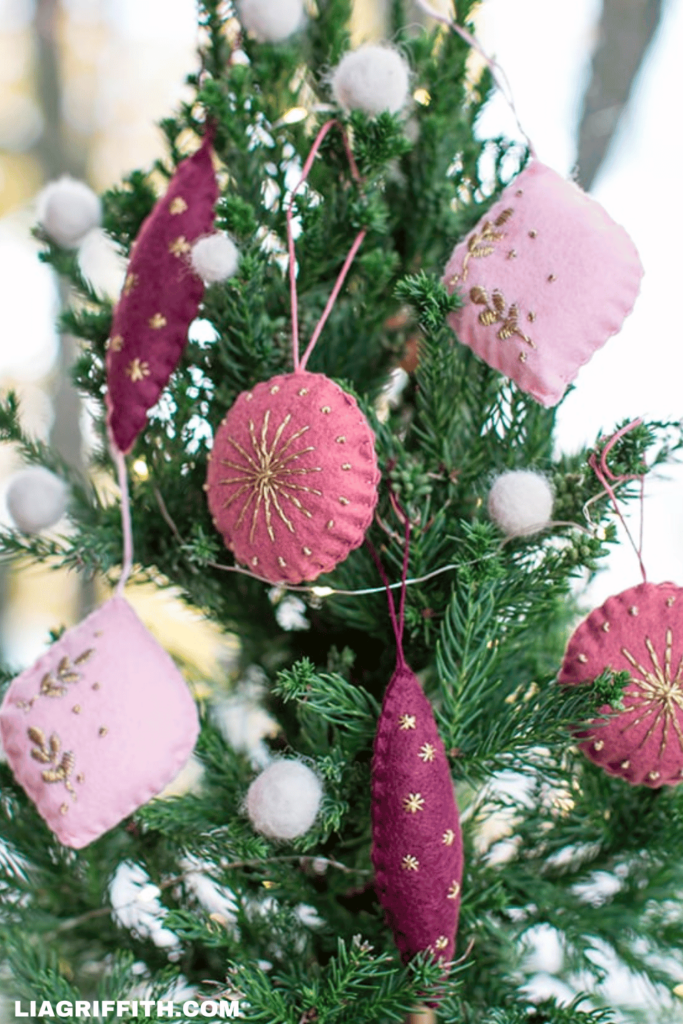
639 631
284 800
271 21
68 209
215 258
520 502
417 850
292 475
372 79
546 278
36 499
98 725
160 297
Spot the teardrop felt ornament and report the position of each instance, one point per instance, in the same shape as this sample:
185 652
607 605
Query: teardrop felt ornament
639 631
546 278
99 725
160 297
417 850
292 477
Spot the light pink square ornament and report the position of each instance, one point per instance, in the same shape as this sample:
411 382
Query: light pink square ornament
99 725
546 278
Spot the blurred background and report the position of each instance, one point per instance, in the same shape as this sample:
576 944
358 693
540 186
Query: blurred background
597 85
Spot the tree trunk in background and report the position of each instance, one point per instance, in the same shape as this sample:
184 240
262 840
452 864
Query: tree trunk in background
625 31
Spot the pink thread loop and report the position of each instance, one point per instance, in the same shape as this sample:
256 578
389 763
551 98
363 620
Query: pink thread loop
397 622
499 75
610 480
300 364
126 522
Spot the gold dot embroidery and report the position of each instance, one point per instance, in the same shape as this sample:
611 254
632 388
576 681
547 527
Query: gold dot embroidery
605 627
344 501
249 396
307 551
406 722
346 465
115 343
410 863
519 192
441 942
130 282
670 601
281 562
325 409
80 778
531 317
653 776
137 370
512 254
454 891
598 745
179 246
633 610
582 658
533 233
302 391
551 278
157 321
96 686
413 803
76 709
330 524
275 388
64 809
254 560
625 765
178 205
102 731
523 357
427 753
448 838
341 440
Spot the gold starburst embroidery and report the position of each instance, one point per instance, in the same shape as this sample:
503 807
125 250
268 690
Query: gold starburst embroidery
660 693
266 477
178 205
410 863
454 891
413 803
137 370
427 753
131 281
406 722
157 321
115 343
448 837
441 942
179 246
496 311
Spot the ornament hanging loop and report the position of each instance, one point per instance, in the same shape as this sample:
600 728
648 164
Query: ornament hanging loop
300 362
609 480
397 621
126 521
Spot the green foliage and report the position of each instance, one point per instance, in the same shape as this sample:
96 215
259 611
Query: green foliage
551 842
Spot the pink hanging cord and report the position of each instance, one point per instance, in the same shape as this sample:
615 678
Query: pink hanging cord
609 480
300 364
397 623
499 75
120 463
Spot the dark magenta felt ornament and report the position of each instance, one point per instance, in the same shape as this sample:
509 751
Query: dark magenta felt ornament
417 849
639 631
292 476
160 297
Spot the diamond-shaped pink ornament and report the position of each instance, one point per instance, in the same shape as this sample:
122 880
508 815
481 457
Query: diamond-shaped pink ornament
98 725
546 277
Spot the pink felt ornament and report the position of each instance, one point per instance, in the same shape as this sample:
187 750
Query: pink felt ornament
546 278
98 725
292 476
417 850
160 297
639 631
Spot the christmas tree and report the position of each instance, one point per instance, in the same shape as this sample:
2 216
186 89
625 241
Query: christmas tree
231 893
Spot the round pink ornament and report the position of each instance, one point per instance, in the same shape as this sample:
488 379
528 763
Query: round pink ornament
546 278
292 478
639 631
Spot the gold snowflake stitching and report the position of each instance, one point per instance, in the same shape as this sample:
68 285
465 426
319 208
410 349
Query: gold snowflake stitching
265 476
660 693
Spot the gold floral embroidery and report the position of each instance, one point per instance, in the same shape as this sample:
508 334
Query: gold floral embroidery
482 243
454 891
406 722
410 863
179 246
413 803
448 837
496 311
48 752
130 282
178 205
157 321
427 753
441 942
137 370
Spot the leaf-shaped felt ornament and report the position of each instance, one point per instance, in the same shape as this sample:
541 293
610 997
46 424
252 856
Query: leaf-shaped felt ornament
292 478
639 631
417 850
98 725
160 297
546 277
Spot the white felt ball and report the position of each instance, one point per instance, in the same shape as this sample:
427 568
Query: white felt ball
271 21
215 257
520 502
283 801
68 209
36 499
373 79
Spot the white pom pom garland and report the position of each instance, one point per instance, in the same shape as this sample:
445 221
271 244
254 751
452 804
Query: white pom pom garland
373 79
36 499
520 502
283 801
215 258
68 210
271 21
